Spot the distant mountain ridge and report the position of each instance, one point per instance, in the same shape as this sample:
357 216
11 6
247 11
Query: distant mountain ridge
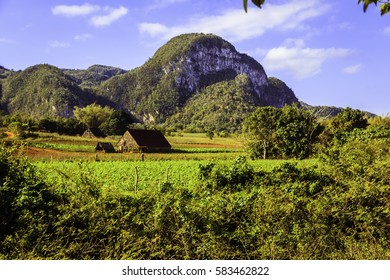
93 75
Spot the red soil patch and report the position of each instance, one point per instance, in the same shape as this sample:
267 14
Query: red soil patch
42 152
38 153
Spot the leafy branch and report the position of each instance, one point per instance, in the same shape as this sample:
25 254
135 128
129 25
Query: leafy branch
384 7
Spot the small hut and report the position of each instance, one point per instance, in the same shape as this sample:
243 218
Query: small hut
93 133
141 140
105 147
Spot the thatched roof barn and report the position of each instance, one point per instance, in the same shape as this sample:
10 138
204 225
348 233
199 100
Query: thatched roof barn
105 147
142 140
93 133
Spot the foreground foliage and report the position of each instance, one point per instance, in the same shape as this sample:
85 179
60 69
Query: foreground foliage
337 209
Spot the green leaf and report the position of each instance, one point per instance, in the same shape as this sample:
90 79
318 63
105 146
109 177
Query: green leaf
367 3
385 8
258 3
246 6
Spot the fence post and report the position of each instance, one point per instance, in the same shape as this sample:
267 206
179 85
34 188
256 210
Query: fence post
136 179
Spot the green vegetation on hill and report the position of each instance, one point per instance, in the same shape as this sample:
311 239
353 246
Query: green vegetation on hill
42 91
94 75
278 92
179 46
219 107
146 91
4 72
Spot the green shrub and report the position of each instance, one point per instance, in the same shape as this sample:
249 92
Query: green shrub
27 205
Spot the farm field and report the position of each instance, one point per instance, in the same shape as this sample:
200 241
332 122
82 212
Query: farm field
185 146
60 157
136 175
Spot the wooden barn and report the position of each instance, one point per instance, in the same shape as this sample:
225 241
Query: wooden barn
93 133
141 140
105 147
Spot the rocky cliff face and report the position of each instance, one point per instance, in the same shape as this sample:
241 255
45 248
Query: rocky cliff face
206 64
209 59
183 67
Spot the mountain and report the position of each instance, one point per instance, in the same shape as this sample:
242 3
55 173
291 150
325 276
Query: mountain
186 67
94 75
328 112
42 91
323 112
194 81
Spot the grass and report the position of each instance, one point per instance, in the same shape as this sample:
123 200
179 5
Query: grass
200 140
147 175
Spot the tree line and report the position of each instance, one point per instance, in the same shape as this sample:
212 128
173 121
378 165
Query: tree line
268 132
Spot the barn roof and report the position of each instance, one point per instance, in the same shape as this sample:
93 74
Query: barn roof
105 146
149 138
95 132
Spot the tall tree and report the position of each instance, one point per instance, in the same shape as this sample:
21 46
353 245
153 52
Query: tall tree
289 132
347 120
92 115
117 123
260 130
297 131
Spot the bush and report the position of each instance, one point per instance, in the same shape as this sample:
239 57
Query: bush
24 198
230 179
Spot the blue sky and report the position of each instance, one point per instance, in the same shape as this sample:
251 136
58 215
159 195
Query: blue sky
328 52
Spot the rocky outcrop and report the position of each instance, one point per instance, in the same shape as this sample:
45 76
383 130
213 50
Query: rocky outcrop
212 59
278 94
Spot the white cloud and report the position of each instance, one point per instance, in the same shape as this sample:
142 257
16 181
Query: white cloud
100 16
83 37
153 29
235 25
302 62
112 16
75 10
57 44
352 69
